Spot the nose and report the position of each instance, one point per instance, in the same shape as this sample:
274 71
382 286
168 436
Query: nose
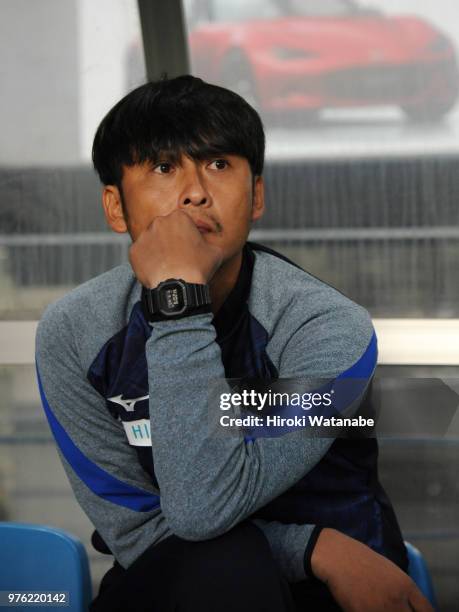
194 190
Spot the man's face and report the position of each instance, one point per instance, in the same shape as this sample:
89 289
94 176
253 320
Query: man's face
218 194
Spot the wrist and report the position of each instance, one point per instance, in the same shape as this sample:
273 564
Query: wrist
327 552
310 549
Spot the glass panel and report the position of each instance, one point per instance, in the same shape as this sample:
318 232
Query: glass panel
58 83
320 8
241 11
360 107
34 487
373 76
337 162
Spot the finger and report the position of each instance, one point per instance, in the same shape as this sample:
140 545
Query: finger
418 602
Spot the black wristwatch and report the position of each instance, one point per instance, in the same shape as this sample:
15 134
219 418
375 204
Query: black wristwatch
174 298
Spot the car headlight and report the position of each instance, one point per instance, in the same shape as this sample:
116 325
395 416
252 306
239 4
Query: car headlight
284 53
440 44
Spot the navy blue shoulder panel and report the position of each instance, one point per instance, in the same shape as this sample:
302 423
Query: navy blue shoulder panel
120 368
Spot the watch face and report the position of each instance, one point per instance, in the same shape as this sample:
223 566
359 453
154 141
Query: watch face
172 298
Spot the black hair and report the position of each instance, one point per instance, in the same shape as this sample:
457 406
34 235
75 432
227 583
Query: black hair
165 119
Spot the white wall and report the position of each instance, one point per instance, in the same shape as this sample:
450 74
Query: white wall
63 66
106 29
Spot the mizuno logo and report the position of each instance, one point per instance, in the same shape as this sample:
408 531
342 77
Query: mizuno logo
128 404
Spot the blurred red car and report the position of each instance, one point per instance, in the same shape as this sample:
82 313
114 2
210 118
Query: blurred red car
314 54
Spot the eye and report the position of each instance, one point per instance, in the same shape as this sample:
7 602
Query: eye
163 168
219 164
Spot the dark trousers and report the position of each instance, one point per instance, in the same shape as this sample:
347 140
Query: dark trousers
235 572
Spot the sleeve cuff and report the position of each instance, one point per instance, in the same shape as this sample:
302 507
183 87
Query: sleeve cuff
310 549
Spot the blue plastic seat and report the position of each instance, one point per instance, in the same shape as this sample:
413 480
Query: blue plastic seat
418 571
40 558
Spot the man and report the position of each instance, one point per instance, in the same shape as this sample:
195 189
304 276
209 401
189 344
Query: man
197 520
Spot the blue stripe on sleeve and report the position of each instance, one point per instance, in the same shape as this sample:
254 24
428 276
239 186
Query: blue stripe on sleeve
364 367
95 478
348 388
